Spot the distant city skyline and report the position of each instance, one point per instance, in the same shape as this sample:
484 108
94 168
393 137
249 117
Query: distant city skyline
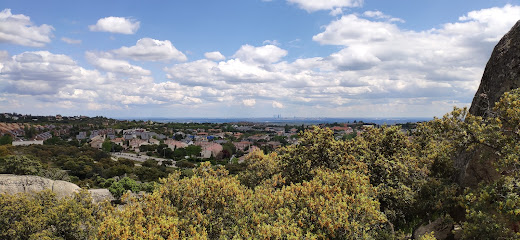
246 59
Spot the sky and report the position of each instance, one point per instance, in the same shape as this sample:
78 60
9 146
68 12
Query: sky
246 58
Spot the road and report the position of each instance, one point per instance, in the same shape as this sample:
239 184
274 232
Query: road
140 158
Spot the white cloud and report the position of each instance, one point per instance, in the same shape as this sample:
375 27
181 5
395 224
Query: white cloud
197 73
271 42
264 54
354 58
379 69
18 29
215 56
106 62
316 5
277 104
148 49
352 29
249 102
379 65
116 25
489 22
43 73
381 15
336 11
70 40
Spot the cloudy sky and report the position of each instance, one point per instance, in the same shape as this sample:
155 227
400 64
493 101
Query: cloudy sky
246 58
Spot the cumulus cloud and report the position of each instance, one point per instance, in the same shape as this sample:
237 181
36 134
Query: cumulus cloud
379 69
197 73
336 11
379 64
249 102
316 5
215 56
264 54
352 29
354 58
381 15
277 104
148 49
18 29
116 25
41 73
70 40
106 62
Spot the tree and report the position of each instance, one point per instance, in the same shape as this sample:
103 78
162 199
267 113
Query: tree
316 149
43 216
20 165
193 150
208 205
395 169
122 186
6 140
338 204
106 146
259 167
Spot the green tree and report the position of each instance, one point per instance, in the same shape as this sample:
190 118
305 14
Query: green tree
6 140
122 186
193 150
106 146
395 168
259 167
207 205
43 216
20 165
316 149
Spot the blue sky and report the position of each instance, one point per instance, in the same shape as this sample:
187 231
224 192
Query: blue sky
238 58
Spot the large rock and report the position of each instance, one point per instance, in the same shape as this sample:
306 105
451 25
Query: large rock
100 195
502 74
441 228
13 184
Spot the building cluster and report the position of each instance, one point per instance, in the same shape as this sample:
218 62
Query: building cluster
211 141
243 137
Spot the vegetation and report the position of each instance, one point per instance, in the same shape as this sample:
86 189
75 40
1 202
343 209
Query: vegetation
383 184
43 216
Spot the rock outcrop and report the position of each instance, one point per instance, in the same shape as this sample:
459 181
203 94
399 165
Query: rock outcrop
441 228
100 195
502 74
13 184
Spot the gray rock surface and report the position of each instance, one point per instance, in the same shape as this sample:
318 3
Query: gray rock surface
441 227
13 184
502 73
100 195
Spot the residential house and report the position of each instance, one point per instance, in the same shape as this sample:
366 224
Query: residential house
209 149
119 141
173 144
43 136
242 146
136 143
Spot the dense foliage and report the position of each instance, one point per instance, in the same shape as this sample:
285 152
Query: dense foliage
85 166
43 216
